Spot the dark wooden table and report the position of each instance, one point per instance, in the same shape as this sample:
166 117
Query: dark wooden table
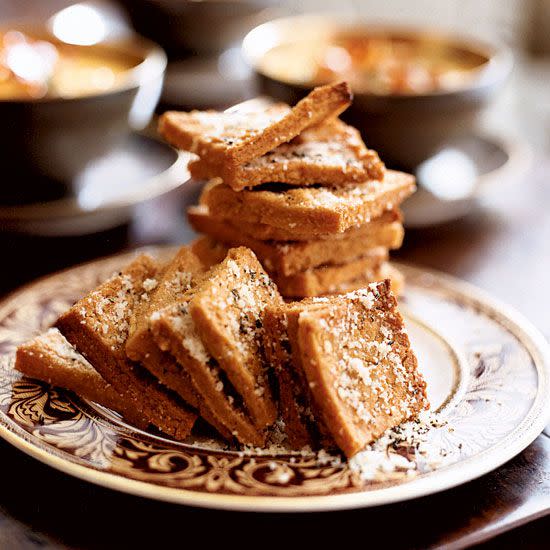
504 248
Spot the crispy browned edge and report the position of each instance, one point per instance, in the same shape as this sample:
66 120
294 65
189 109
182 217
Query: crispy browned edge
235 420
212 252
299 171
282 350
321 103
260 206
35 360
326 279
264 232
321 382
139 390
209 251
210 325
293 257
386 271
277 352
141 346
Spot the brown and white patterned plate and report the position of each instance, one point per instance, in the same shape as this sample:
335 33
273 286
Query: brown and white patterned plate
486 367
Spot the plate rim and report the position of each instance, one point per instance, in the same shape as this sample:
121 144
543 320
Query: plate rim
447 478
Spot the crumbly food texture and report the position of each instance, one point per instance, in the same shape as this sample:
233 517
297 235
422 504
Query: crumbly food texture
227 310
51 358
233 138
315 210
175 279
303 421
288 258
361 370
387 226
97 326
331 153
209 251
175 332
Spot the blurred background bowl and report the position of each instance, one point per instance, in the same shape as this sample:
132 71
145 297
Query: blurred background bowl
186 27
406 128
56 136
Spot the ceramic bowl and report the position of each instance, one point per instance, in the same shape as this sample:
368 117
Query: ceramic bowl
404 128
58 136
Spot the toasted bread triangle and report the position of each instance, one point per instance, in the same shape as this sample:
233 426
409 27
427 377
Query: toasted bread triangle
97 326
233 138
289 258
360 368
331 153
315 210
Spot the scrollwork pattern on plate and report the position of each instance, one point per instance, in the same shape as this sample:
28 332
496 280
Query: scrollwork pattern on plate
58 422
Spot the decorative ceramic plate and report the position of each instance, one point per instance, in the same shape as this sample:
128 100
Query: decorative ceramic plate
487 371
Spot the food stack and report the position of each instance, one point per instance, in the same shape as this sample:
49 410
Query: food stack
205 332
298 187
166 341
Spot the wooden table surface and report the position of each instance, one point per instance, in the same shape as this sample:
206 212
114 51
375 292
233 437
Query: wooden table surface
504 248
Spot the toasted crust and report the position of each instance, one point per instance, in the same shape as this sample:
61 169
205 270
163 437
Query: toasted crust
97 326
303 422
315 210
386 271
293 257
327 279
51 358
209 251
175 332
227 310
278 354
391 220
177 277
233 138
361 370
331 153
321 281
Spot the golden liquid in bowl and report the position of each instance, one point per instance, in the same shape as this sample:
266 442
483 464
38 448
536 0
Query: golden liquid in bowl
35 68
378 64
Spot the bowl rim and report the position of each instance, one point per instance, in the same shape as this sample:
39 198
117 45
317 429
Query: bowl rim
152 65
497 68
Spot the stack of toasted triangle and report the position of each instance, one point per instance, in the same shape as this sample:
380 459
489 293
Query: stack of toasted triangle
166 341
206 333
297 186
